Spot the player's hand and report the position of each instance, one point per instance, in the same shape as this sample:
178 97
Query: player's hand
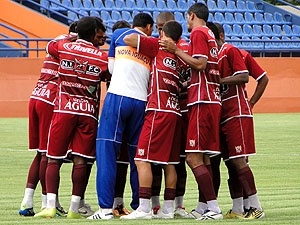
168 45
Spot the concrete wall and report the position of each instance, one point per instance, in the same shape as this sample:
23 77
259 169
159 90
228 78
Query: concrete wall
19 75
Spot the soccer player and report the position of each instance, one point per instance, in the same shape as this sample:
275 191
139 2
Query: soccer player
74 120
157 142
204 106
41 106
161 19
122 113
236 66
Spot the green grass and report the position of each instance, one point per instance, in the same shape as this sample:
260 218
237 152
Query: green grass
276 168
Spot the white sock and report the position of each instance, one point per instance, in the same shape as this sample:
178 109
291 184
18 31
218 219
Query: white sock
44 201
118 201
202 206
254 201
237 205
51 200
246 203
155 201
82 203
213 206
168 206
74 205
178 202
27 201
145 205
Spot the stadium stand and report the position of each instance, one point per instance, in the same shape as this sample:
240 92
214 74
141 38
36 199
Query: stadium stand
251 23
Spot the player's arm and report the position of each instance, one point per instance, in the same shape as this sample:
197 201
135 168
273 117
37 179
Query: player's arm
195 63
52 48
145 45
259 90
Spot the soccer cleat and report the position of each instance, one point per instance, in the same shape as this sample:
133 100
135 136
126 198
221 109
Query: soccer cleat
195 214
210 215
86 210
161 215
233 215
137 215
61 212
120 210
26 212
155 209
47 213
73 215
254 213
182 213
101 215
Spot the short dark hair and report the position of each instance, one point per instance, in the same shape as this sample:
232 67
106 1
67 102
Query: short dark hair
88 26
165 16
212 26
142 20
220 28
172 29
200 10
72 27
120 24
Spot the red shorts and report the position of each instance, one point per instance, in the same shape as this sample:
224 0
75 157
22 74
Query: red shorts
157 137
183 127
40 115
204 128
76 131
237 138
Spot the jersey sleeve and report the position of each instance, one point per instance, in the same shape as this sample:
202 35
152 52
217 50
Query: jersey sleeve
236 61
200 45
52 48
112 46
254 68
148 46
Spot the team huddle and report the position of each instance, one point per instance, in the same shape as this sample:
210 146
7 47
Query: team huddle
169 103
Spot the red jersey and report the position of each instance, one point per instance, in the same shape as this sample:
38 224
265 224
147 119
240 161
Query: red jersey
234 97
204 87
79 74
254 69
163 91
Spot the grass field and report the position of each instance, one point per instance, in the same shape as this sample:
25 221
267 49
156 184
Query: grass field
276 168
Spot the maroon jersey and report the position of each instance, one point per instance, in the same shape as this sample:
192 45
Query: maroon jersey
204 87
234 97
79 75
163 91
254 69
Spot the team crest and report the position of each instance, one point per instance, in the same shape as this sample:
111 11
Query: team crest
141 151
192 143
80 67
91 89
238 149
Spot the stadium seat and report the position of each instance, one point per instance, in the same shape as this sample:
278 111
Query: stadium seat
296 41
296 30
126 16
211 4
161 5
141 5
116 15
221 4
249 17
259 18
278 18
268 18
72 16
181 5
239 18
67 3
219 17
191 2
211 17
105 16
55 5
98 4
229 18
241 6
286 42
267 44
77 4
130 5
151 5
227 29
287 30
120 4
247 30
82 13
246 44
94 12
237 30
251 6
257 30
257 43
109 4
171 4
267 30
179 17
277 31
87 4
45 4
231 7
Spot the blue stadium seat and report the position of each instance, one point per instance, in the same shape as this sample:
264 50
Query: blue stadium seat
268 17
221 4
77 4
257 30
247 29
120 4
55 6
229 18
211 4
237 30
287 30
181 5
98 4
151 5
219 17
72 16
228 30
267 30
82 13
67 3
257 44
286 42
141 5
246 44
134 12
192 2
171 4
278 18
109 4
87 4
127 16
277 31
161 5
211 17
105 16
259 18
179 17
130 5
45 5
239 18
296 44
231 6
94 12
241 5
296 30
251 6
116 15
155 14
276 43
249 17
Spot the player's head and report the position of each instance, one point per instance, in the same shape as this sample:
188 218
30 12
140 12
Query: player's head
72 27
143 21
120 24
197 11
172 29
100 36
217 29
162 18
221 31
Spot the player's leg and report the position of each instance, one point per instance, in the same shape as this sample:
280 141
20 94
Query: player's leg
156 187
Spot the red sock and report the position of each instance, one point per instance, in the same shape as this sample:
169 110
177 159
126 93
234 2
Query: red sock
52 177
246 178
42 173
79 179
169 194
33 173
144 192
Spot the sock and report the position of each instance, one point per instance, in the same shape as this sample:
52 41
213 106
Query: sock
33 173
155 201
81 203
42 173
178 202
201 207
74 205
51 200
212 205
52 178
118 201
44 201
79 179
144 205
168 206
246 203
254 202
237 205
27 201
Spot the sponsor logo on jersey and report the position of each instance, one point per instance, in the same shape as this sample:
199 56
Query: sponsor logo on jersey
80 67
41 91
217 94
79 105
238 149
49 71
141 151
72 46
169 62
173 103
214 52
